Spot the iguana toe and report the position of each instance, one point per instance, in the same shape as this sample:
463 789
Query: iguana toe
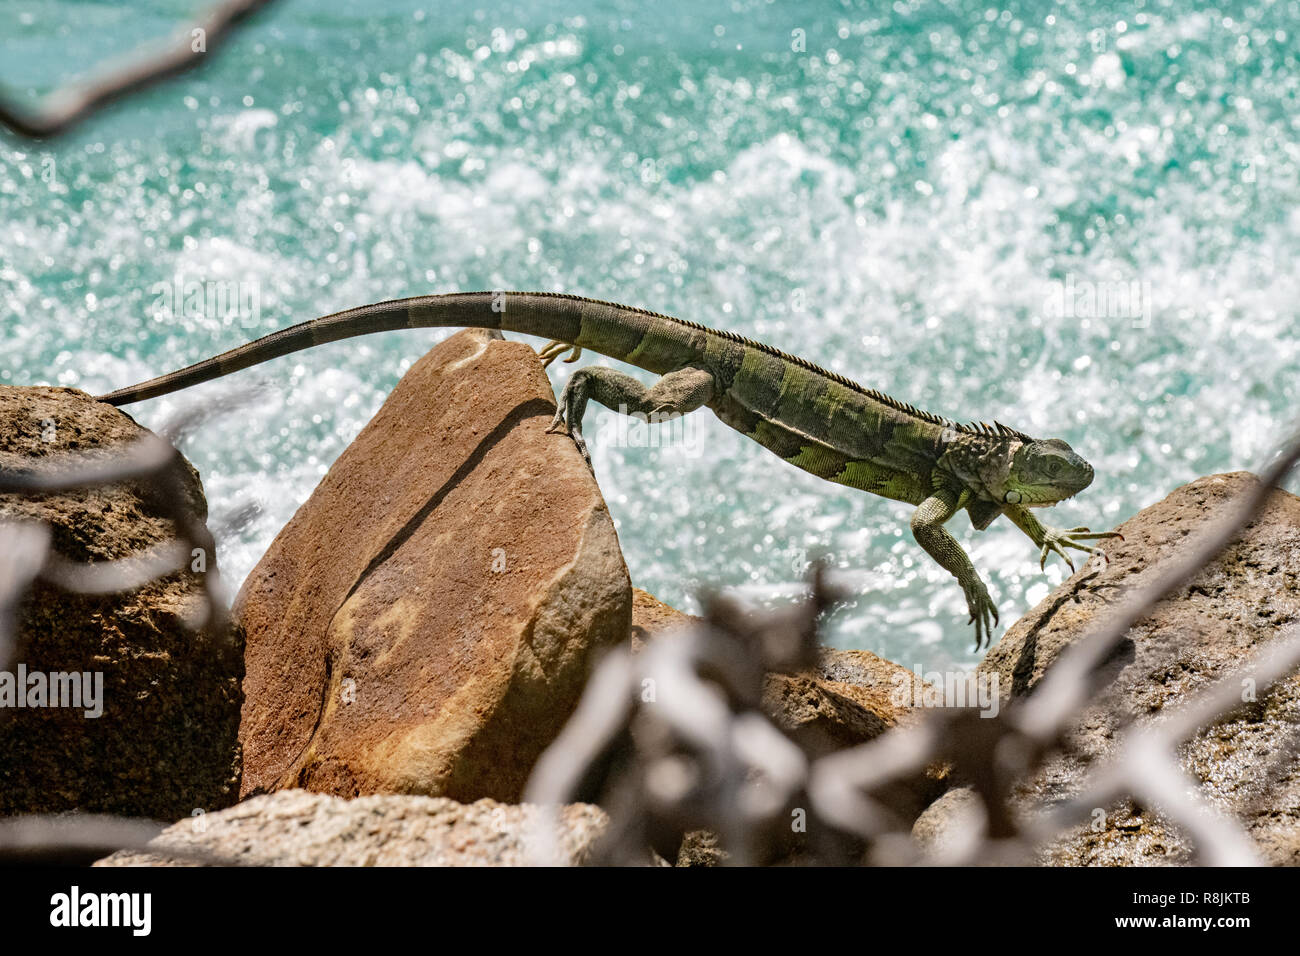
983 612
554 349
1055 540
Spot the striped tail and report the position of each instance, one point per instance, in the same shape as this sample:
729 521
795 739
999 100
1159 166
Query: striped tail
618 331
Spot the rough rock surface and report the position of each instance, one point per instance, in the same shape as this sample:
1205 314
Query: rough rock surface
297 828
850 698
651 616
166 742
424 623
1236 606
846 700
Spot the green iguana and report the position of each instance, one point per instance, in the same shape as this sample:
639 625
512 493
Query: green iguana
817 420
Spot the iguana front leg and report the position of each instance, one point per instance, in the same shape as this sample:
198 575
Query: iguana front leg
1051 539
930 534
676 393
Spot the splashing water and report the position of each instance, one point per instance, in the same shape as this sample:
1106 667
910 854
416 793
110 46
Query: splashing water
1082 223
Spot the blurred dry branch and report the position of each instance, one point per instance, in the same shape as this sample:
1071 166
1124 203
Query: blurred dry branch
673 741
700 753
83 838
67 107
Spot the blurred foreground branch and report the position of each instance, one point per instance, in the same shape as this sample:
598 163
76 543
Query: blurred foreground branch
69 106
698 753
29 554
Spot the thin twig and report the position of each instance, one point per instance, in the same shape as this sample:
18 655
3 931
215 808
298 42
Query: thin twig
67 107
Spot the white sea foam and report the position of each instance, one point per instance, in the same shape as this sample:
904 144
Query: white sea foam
909 211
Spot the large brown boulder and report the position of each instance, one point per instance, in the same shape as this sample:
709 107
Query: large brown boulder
425 622
166 742
296 828
1237 605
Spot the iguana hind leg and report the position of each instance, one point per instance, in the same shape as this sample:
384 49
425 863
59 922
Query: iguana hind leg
675 394
554 349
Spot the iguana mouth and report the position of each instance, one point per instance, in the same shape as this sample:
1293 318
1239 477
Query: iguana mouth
1045 502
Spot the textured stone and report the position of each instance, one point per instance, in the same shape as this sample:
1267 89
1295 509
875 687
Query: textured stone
651 616
425 621
297 828
166 742
848 699
1237 605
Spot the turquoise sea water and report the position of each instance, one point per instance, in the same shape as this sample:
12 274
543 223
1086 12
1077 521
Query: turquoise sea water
1077 219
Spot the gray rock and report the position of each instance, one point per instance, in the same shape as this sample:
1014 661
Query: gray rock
1235 607
298 828
166 742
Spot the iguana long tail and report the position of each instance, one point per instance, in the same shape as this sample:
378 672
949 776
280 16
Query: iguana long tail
618 331
812 418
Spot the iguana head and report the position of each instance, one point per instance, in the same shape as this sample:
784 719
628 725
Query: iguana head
1044 472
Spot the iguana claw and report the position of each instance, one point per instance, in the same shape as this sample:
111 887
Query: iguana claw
555 349
564 424
983 612
1057 540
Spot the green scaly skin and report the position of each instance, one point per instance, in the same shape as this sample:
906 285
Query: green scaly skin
814 419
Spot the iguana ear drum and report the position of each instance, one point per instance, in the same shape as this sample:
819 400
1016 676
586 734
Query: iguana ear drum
1012 497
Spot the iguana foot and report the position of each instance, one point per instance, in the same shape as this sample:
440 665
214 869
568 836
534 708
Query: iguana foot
567 423
1057 540
574 432
983 612
676 393
555 349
